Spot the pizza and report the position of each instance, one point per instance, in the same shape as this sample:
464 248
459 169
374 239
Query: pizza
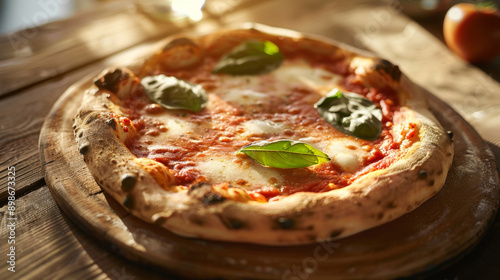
262 135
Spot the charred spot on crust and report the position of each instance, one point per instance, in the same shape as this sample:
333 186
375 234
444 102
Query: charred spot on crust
422 174
110 80
160 221
179 42
232 223
198 185
336 233
389 68
431 183
90 119
390 205
128 182
112 123
82 115
203 191
212 198
84 149
450 134
285 223
197 220
128 201
380 215
235 223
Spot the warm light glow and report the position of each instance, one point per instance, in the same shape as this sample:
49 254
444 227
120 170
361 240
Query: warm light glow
188 8
455 14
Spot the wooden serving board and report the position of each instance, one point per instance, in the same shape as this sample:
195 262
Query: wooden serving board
433 236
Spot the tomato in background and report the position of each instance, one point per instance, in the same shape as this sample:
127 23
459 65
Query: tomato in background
473 32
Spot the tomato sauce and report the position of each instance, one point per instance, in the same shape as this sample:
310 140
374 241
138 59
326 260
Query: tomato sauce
181 154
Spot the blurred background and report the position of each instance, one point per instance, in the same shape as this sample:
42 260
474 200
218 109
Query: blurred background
19 14
16 15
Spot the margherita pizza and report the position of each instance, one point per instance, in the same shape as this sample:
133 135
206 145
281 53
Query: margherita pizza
263 136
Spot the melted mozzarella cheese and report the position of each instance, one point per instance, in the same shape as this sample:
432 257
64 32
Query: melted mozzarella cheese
220 169
347 153
259 127
176 126
244 96
300 73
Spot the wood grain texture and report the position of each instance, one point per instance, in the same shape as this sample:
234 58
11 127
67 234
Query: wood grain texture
82 40
432 236
22 117
49 246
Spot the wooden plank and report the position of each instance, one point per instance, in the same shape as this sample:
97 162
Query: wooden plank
321 17
481 263
19 141
67 44
49 246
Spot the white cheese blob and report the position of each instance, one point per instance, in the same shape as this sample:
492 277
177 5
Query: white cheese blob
244 96
220 169
348 154
300 73
176 126
259 127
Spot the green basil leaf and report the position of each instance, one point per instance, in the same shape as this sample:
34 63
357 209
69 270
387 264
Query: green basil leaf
284 154
250 58
352 114
173 93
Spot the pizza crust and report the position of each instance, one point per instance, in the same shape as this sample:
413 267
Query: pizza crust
145 189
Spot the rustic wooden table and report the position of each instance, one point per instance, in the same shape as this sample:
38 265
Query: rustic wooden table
39 64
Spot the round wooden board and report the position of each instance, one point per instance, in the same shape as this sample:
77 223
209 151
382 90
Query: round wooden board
434 235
